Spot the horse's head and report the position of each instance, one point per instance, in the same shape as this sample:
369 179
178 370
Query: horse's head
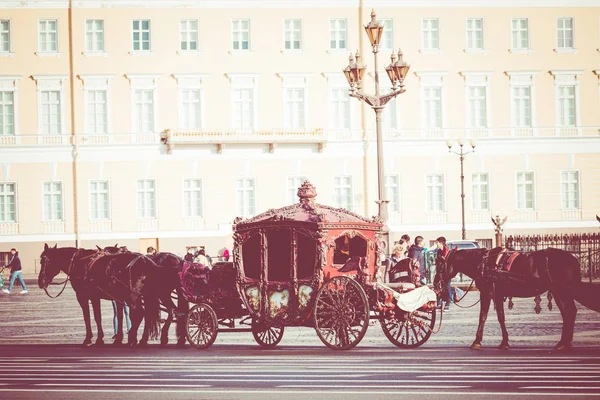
50 265
469 262
113 249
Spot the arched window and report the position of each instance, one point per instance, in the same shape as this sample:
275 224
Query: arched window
346 247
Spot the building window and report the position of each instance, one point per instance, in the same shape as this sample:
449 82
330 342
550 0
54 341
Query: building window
48 36
97 111
53 201
8 203
245 197
240 31
431 34
146 198
4 36
50 107
564 28
477 106
340 108
143 111
192 198
387 38
342 192
188 32
94 35
432 98
141 35
292 32
475 33
294 108
525 191
99 200
569 184
7 113
392 187
566 106
293 183
435 193
389 115
191 109
521 106
338 34
520 34
243 108
481 192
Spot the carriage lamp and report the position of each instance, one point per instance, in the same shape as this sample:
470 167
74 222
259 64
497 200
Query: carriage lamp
461 153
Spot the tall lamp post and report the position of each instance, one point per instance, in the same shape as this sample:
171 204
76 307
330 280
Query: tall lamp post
461 152
396 71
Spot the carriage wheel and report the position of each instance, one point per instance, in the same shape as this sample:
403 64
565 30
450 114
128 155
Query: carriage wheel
266 336
201 326
408 330
341 313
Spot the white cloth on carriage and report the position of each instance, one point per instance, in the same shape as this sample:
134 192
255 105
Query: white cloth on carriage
414 299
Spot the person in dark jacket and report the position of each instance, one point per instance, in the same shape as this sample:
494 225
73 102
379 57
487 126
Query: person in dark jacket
15 272
416 252
441 257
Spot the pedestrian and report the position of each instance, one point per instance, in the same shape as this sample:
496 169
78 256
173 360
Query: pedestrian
116 320
416 253
399 252
442 254
226 254
150 251
406 239
15 272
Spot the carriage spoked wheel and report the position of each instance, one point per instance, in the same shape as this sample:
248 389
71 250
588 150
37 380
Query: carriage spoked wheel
341 313
266 336
408 330
201 326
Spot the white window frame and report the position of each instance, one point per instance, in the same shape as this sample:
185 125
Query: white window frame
41 52
343 187
93 82
240 31
292 185
9 83
428 201
155 199
516 35
478 79
572 48
143 82
523 79
47 83
292 31
93 51
244 81
563 194
16 198
189 51
468 32
427 45
334 35
186 212
190 82
241 209
294 82
391 106
91 202
389 31
9 52
533 190
141 30
432 79
396 187
567 78
62 201
473 191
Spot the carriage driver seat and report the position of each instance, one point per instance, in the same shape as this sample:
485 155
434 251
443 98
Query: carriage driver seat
400 276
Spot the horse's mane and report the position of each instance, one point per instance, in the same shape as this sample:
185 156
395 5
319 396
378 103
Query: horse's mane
467 256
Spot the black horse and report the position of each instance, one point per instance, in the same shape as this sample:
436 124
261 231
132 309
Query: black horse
527 275
127 278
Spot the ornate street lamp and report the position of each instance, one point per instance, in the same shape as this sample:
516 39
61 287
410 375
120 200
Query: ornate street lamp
461 153
396 71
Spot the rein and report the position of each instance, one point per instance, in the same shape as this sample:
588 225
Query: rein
465 295
65 281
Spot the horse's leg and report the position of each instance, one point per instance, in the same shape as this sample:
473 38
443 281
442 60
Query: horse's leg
85 308
182 309
499 304
98 319
164 333
568 310
136 313
485 298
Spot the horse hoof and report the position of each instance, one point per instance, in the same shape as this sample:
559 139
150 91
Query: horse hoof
99 342
503 347
164 342
476 346
87 343
562 347
143 345
181 345
131 345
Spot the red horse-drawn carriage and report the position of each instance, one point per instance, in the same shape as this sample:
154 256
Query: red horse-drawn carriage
306 265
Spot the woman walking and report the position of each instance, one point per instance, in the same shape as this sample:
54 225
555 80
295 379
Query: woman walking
15 272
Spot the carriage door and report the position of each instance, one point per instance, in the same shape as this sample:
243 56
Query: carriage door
145 243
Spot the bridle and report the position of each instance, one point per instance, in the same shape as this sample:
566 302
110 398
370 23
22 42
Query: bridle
47 263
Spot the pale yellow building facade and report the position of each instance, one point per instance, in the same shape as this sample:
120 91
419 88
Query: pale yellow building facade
159 122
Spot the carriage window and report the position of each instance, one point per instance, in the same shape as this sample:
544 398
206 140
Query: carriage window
279 255
307 253
346 248
251 257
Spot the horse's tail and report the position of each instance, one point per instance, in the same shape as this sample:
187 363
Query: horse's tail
588 294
